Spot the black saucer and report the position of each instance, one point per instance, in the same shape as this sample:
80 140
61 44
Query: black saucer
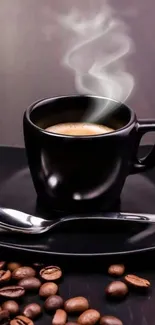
74 239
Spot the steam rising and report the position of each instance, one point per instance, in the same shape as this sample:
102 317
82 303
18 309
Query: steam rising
101 43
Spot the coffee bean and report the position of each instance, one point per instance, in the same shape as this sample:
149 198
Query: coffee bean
5 276
53 303
89 317
21 320
136 281
116 289
11 306
4 317
110 320
47 289
32 311
38 266
51 273
116 269
2 265
12 292
13 265
60 317
76 304
23 272
30 283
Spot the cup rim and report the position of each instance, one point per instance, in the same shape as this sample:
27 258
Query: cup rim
35 104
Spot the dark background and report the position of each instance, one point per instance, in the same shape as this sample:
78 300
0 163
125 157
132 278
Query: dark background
30 55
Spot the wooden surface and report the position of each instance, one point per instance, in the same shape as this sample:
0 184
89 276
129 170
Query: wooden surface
31 48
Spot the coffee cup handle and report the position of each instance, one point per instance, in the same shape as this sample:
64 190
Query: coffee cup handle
142 164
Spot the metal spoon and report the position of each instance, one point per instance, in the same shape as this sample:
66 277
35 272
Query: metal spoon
17 221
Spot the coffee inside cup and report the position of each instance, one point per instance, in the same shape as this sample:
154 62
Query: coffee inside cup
78 129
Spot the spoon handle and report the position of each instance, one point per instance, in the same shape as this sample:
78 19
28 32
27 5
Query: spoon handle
122 216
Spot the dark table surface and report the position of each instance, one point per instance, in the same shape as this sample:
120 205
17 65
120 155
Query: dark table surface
33 44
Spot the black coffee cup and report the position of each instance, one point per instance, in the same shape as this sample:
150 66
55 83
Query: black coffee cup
83 173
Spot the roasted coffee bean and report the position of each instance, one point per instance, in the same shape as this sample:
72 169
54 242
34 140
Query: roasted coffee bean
89 317
117 289
48 289
4 317
38 266
110 320
13 265
32 311
76 304
12 292
5 276
136 281
21 320
2 265
11 306
51 273
30 283
60 317
23 272
53 303
116 269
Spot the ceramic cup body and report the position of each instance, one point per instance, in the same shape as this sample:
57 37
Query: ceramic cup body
78 173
